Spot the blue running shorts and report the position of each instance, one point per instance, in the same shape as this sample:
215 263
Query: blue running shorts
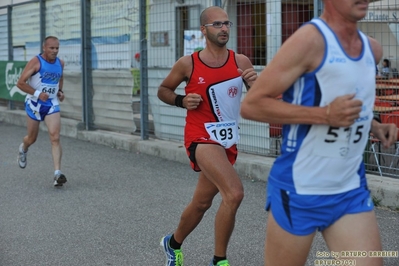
38 112
304 214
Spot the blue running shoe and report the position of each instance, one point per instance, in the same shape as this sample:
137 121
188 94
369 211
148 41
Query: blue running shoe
220 263
174 257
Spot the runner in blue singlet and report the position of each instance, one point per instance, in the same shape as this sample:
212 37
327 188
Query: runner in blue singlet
326 74
42 80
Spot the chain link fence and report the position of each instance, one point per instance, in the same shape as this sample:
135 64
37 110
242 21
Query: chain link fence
103 77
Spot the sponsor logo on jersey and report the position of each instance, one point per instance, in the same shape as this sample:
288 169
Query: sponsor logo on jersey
336 59
232 92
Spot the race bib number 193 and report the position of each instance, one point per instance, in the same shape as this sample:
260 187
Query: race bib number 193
225 133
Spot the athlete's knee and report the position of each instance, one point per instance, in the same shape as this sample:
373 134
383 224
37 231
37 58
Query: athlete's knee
55 141
234 198
30 139
202 206
54 137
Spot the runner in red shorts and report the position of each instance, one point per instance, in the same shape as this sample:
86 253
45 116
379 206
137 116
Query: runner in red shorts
214 79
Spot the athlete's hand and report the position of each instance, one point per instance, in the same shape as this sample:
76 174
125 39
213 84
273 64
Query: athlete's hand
248 75
343 111
43 96
191 101
60 95
386 133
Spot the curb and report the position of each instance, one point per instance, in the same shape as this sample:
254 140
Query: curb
384 190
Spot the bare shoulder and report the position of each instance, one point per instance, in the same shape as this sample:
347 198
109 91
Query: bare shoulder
307 39
30 69
33 65
184 65
304 50
181 71
243 61
185 60
62 62
376 48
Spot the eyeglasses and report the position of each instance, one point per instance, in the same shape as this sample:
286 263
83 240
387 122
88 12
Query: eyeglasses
219 24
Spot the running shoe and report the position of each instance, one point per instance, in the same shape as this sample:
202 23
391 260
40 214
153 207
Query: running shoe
174 257
22 156
59 179
220 263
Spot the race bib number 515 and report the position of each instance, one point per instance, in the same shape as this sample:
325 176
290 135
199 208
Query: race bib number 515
340 142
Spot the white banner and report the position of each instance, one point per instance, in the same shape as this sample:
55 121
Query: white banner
193 41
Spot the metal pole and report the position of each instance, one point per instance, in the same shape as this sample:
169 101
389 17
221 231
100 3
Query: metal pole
217 2
10 45
317 8
144 121
9 34
42 7
87 80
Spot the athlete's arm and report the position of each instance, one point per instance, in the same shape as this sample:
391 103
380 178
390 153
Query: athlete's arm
386 133
246 70
30 69
180 72
376 48
301 53
60 93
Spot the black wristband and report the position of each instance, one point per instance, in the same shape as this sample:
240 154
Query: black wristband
179 100
377 118
61 91
246 84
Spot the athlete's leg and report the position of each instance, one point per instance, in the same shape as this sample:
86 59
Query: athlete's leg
195 210
283 248
32 132
214 163
53 123
355 232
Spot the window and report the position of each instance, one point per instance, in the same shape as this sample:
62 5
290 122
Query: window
187 18
251 31
252 26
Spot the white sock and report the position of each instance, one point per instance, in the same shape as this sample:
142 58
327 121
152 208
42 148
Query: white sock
22 149
56 172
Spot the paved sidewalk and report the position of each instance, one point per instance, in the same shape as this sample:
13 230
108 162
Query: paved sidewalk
384 189
117 204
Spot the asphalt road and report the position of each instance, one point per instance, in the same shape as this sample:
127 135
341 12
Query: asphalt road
116 206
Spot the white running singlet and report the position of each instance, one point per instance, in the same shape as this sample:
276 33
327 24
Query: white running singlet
321 159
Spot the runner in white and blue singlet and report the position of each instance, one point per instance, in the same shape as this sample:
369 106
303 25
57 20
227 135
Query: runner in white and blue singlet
326 74
46 80
42 81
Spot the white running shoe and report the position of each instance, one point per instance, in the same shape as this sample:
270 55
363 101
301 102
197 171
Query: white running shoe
59 179
22 156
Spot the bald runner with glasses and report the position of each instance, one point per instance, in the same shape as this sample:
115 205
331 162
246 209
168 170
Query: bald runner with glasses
214 80
220 24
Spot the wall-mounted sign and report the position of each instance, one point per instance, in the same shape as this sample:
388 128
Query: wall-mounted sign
160 38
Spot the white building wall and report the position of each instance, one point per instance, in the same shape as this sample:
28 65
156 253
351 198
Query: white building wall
381 22
169 120
3 37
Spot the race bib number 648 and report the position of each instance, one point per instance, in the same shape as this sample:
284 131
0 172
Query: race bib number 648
49 89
